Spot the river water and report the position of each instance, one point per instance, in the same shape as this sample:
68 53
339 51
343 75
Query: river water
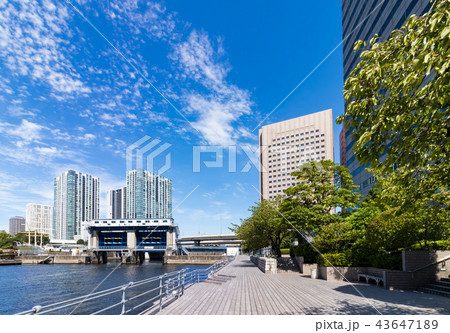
24 286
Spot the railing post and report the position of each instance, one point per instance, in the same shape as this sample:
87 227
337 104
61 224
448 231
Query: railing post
123 300
36 309
178 284
183 281
160 293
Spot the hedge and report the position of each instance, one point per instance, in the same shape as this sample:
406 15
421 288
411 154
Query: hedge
285 251
335 259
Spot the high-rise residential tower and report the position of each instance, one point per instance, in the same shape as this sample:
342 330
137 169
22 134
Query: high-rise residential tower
16 224
40 219
117 203
148 195
377 17
284 146
77 199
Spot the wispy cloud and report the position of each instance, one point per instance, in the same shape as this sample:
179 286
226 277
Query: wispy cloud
31 44
25 133
220 104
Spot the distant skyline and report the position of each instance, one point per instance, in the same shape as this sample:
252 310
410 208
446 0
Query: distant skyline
68 100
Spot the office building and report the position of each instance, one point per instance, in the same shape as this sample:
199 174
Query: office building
284 146
148 195
77 199
40 219
342 156
117 203
16 224
385 17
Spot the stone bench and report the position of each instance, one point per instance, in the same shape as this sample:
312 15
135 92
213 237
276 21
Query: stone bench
367 277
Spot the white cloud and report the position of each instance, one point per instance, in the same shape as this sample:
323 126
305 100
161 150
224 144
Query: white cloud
110 120
31 44
27 131
18 111
153 19
87 138
47 151
199 59
220 104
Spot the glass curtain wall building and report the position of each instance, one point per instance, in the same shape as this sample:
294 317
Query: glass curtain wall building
76 200
378 17
117 203
148 195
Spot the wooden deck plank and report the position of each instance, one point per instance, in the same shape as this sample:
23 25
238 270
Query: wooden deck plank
253 292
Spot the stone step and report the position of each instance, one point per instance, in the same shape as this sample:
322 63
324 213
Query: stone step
434 291
437 286
442 283
286 264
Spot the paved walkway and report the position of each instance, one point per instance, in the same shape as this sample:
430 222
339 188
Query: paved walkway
241 288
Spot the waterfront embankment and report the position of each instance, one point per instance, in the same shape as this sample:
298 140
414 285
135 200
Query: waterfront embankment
205 258
54 259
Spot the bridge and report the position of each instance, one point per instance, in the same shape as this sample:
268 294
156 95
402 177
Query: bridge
210 240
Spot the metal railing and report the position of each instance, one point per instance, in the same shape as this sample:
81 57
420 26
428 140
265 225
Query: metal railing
128 298
264 252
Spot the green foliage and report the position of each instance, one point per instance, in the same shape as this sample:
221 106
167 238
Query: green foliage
6 240
433 245
323 186
335 259
285 251
398 102
265 227
387 260
306 251
81 242
336 237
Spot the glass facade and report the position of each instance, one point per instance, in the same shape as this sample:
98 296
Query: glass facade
148 195
378 18
76 200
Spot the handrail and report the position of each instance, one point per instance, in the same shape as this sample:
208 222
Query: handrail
432 264
168 285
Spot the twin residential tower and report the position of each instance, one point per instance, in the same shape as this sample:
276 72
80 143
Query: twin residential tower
77 200
146 195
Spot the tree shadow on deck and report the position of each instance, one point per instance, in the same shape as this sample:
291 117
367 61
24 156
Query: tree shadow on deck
395 302
349 308
249 264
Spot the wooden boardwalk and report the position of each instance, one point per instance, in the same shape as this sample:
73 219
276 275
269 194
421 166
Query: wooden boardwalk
242 289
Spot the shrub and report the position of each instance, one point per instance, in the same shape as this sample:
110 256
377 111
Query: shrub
306 251
335 259
285 251
388 260
432 245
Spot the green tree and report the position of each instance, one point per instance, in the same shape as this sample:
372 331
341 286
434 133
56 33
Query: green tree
81 242
6 240
423 221
265 227
323 186
397 105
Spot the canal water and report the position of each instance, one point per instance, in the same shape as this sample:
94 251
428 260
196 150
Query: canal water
24 286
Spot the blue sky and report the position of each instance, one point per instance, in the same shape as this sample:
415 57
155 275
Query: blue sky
68 100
